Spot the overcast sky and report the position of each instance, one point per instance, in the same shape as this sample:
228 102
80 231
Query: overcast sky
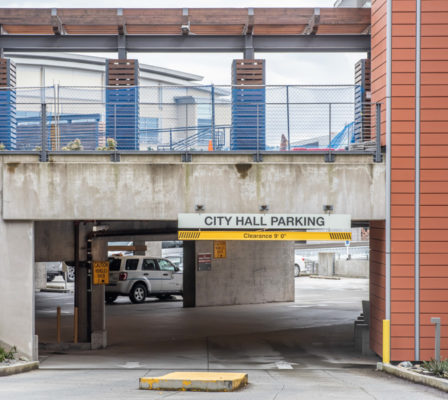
297 68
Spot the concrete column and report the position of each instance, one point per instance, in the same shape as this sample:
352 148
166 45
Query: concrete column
40 275
154 249
139 243
97 304
189 275
252 272
17 327
82 281
326 264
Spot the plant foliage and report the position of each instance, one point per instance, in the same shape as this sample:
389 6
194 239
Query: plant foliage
438 368
75 145
111 145
7 355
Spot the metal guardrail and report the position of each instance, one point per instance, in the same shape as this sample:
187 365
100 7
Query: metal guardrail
192 119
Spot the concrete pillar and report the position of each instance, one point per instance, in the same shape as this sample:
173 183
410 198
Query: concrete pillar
326 264
139 243
97 304
248 105
252 272
17 327
40 275
82 279
8 123
189 275
154 249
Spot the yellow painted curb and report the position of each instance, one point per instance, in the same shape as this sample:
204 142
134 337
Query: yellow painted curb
196 381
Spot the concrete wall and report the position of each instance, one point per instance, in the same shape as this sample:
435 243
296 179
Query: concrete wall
327 264
17 286
40 275
253 272
353 268
158 187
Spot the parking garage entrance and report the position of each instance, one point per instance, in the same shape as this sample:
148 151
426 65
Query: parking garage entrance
241 308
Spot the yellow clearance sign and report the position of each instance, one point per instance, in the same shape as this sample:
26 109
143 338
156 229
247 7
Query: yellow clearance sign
263 235
219 249
100 272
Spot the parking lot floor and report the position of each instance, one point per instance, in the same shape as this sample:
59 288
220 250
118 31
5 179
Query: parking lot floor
293 350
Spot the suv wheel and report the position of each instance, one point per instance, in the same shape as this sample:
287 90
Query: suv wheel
138 293
296 270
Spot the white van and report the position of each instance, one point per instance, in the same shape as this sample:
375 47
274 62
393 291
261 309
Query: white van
141 276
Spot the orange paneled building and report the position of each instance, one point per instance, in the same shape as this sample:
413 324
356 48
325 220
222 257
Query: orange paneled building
410 76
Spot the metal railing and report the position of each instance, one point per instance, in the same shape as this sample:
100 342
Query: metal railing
190 119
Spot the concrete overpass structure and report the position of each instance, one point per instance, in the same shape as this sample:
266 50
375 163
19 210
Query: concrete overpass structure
46 206
408 66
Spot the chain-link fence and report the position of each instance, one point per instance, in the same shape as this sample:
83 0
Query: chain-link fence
193 118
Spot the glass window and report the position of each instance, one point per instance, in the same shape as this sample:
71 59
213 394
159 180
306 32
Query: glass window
131 264
114 264
166 265
149 265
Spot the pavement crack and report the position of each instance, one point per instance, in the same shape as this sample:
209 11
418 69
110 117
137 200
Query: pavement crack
281 390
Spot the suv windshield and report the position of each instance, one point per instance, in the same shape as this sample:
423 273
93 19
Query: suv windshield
165 265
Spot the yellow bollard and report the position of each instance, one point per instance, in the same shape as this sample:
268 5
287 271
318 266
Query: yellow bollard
58 324
386 341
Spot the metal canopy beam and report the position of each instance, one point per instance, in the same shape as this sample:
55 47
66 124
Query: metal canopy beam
167 43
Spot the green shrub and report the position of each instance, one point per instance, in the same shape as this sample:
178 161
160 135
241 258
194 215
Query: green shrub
438 368
2 147
75 145
7 355
111 145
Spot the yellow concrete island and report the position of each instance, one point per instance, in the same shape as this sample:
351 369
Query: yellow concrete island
196 381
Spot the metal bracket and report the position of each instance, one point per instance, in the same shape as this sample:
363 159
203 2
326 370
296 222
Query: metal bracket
378 157
115 157
436 321
185 27
329 157
249 52
57 25
121 45
186 157
258 157
313 23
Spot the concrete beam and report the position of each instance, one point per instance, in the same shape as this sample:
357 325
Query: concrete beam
159 187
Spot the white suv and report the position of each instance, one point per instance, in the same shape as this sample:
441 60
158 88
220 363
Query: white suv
142 276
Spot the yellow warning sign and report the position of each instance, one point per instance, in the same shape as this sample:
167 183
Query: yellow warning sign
263 235
219 249
100 272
